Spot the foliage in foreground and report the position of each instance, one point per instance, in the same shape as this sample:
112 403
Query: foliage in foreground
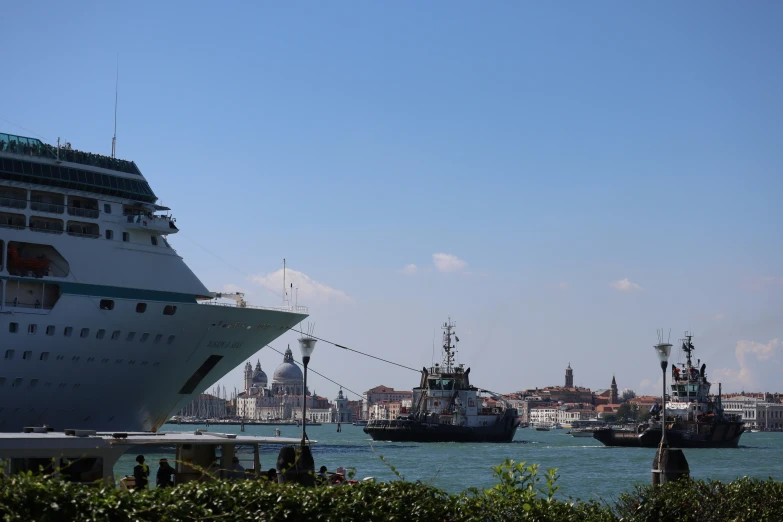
520 494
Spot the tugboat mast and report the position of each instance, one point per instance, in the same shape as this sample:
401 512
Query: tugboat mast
448 348
687 347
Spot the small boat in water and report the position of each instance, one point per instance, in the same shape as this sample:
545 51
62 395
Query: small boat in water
693 418
542 428
446 408
360 422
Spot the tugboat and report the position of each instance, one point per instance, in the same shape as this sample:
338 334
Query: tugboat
694 419
446 408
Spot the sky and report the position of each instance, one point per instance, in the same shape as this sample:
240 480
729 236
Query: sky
560 179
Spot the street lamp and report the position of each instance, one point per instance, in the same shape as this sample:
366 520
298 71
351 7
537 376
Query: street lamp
663 350
306 346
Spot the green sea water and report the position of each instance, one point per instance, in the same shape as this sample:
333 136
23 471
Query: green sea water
587 469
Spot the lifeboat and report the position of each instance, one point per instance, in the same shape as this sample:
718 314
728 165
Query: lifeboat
34 264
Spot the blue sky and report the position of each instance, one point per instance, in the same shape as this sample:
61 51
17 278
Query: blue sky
595 171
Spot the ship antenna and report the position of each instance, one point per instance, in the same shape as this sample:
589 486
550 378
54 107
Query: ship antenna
284 282
116 90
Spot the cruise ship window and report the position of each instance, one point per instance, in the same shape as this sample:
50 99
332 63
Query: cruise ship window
100 333
107 304
107 208
141 308
27 355
32 329
125 237
169 310
171 339
158 338
50 330
85 332
144 338
68 330
13 327
115 335
9 354
154 240
44 356
109 234
131 335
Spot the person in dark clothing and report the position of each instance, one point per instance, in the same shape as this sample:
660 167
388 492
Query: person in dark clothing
165 476
271 475
140 473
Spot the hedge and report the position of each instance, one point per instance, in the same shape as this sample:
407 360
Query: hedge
522 493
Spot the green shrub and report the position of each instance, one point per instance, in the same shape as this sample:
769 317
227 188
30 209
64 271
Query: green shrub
521 493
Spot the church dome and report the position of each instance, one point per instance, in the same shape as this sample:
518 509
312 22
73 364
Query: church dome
259 377
288 372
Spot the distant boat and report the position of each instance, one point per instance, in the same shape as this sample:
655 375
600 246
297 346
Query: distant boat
694 419
360 423
446 408
755 431
542 428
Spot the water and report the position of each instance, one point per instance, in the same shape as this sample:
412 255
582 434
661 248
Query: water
587 469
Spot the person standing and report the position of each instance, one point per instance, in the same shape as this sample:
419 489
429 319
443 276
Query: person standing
236 471
141 472
165 475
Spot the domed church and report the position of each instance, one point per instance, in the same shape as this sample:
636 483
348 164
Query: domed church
282 399
288 378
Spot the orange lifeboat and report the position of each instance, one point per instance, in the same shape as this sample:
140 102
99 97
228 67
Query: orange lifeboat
34 264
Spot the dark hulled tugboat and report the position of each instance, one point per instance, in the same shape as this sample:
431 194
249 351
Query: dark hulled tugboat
446 408
693 418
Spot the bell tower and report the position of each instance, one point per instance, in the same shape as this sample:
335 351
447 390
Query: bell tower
248 376
569 380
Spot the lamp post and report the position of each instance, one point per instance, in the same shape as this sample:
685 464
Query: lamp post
306 346
663 350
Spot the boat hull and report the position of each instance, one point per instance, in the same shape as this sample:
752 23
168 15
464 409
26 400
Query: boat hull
722 435
416 431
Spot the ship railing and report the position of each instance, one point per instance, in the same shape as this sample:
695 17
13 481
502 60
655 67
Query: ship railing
297 308
92 235
83 212
13 202
51 208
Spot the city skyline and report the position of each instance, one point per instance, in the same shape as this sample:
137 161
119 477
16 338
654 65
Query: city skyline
562 181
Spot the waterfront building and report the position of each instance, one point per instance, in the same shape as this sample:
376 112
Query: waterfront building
381 394
340 410
282 399
756 411
543 415
569 377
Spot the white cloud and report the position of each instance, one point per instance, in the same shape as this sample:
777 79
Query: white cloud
763 282
448 263
624 285
309 289
410 269
563 285
759 366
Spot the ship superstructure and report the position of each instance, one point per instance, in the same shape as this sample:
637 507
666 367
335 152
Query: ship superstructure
694 418
447 408
102 324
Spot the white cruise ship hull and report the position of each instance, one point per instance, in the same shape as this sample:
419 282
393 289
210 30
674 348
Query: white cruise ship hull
112 383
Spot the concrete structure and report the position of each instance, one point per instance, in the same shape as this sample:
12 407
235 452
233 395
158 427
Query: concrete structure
381 394
757 412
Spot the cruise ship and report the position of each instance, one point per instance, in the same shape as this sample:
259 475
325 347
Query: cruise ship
102 324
